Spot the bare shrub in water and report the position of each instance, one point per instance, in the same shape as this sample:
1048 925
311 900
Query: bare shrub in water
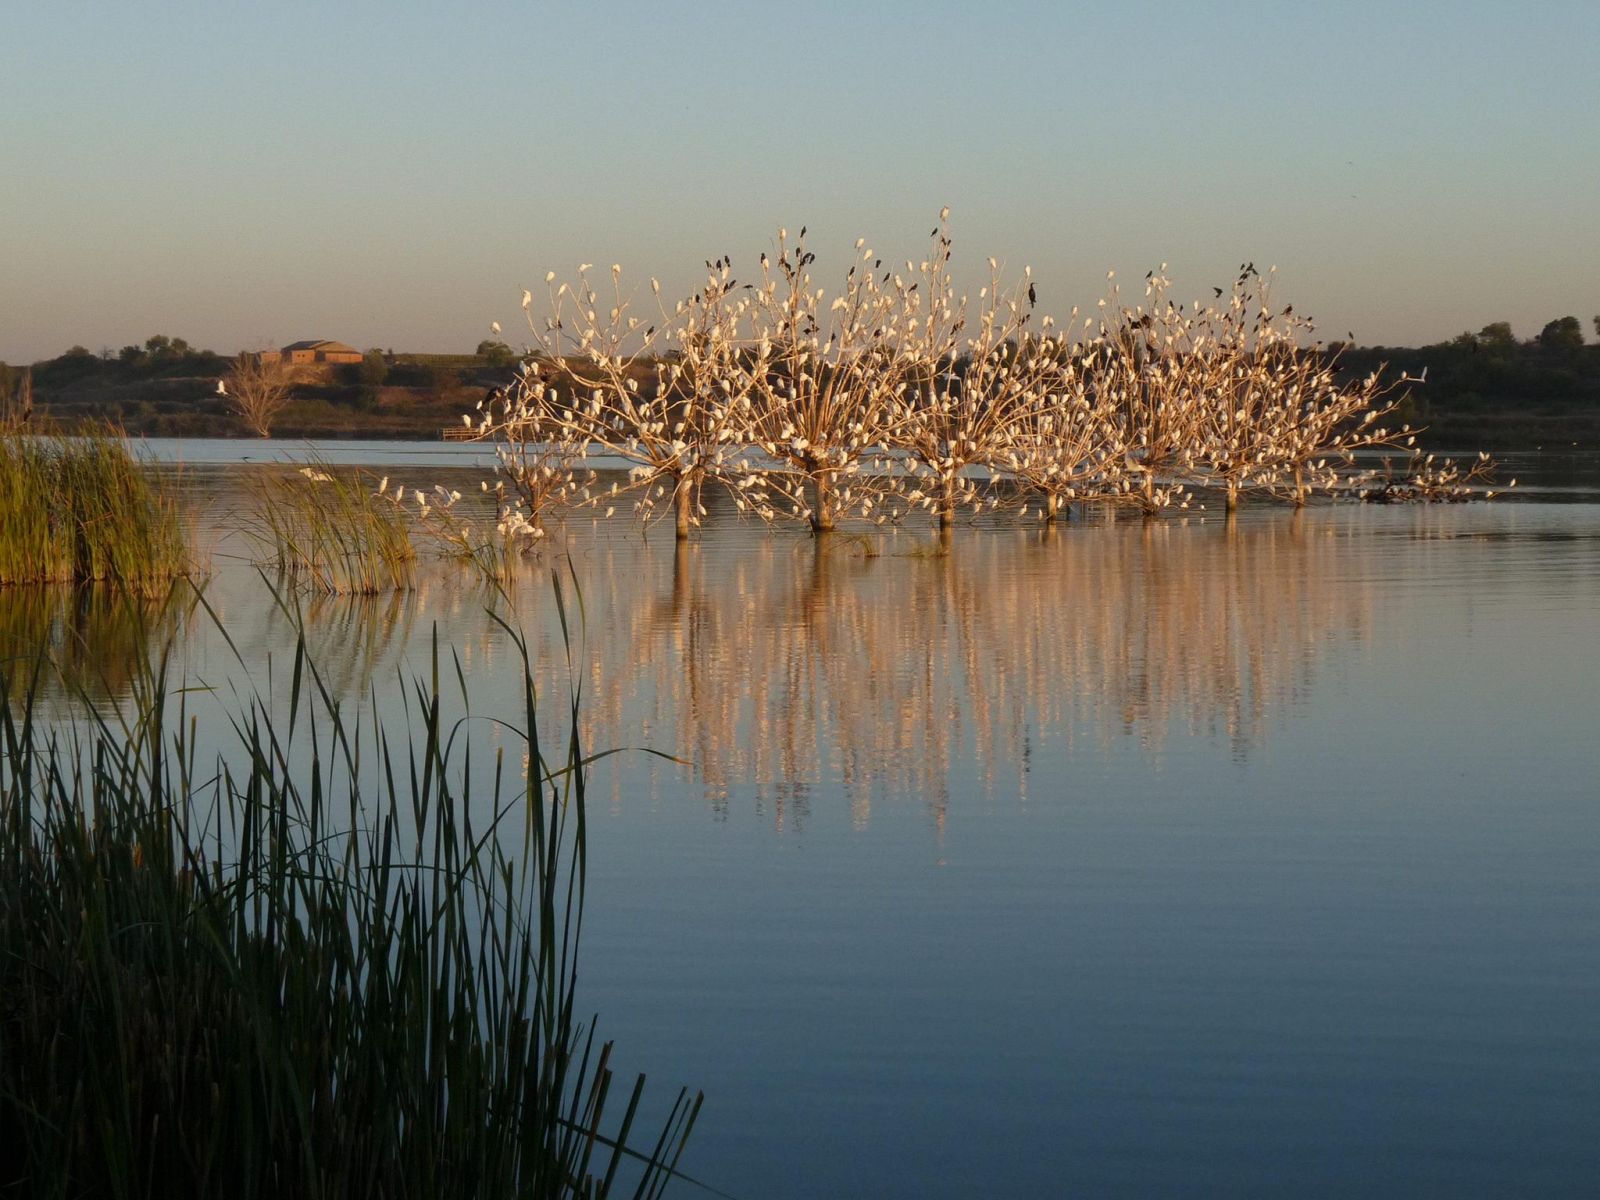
971 389
1278 420
897 395
1427 478
1139 365
1066 451
824 383
668 397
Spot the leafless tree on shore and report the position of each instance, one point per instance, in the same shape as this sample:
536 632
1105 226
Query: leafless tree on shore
259 388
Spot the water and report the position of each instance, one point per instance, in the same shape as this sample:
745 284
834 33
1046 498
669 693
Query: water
1182 858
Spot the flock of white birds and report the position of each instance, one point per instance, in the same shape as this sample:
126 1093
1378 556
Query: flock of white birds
894 396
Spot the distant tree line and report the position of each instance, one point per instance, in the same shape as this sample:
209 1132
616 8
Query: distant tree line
165 385
165 357
1487 371
159 357
1493 370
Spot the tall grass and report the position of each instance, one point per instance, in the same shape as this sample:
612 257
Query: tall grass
333 532
80 510
327 959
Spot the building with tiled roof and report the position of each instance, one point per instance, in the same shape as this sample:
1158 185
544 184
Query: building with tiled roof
313 350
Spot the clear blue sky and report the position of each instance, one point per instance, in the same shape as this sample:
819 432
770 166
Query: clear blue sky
394 174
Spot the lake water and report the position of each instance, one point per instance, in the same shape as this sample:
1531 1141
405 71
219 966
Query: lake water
1188 857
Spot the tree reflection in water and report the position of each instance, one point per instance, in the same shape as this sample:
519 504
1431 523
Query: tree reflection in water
96 635
878 669
788 669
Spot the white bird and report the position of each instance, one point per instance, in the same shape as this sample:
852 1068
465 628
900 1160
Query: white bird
527 298
222 387
494 326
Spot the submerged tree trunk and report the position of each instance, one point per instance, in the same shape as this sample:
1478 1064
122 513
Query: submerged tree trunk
947 505
822 505
680 580
1233 498
682 498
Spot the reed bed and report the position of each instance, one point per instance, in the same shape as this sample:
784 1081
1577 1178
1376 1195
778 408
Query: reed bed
306 967
894 395
81 510
333 532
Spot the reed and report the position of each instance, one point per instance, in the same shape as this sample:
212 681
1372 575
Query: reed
332 532
81 510
336 960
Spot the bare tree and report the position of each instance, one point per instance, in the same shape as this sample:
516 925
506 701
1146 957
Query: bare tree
681 430
971 389
16 399
822 403
901 396
259 388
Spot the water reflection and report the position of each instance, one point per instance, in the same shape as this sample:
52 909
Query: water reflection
1294 819
865 670
882 669
95 639
354 641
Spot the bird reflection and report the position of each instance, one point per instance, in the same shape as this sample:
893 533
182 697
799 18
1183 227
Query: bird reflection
787 669
789 672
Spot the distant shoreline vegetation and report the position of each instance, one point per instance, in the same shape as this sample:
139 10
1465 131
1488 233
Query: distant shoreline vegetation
1489 388
166 388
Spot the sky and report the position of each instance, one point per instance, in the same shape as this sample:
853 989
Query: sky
393 175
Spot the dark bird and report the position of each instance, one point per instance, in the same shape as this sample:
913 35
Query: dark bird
1032 297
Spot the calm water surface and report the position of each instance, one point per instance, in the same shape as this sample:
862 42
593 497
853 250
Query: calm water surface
1181 858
